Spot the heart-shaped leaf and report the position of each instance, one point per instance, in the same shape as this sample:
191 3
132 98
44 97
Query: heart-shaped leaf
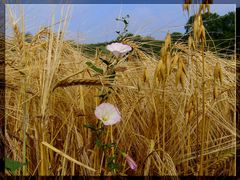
95 68
13 165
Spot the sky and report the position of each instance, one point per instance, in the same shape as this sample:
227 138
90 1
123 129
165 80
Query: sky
92 23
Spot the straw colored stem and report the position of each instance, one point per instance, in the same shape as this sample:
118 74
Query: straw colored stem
67 157
203 115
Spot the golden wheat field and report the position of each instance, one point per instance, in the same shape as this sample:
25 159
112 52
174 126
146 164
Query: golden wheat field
177 108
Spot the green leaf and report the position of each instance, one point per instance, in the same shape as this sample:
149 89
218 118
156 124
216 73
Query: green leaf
106 146
13 165
111 164
105 61
99 143
90 126
95 68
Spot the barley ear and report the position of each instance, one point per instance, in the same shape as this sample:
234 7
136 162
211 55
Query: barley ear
168 41
175 60
163 72
182 80
178 76
220 75
215 92
168 63
191 44
191 114
145 76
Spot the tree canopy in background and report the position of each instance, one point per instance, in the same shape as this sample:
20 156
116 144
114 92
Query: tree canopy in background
220 34
220 29
176 36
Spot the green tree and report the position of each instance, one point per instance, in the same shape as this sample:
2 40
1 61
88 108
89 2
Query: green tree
150 38
176 36
238 32
221 29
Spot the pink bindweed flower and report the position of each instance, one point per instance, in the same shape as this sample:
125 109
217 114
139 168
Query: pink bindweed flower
130 162
119 49
108 114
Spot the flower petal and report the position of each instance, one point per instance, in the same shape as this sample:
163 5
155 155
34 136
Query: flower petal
131 163
100 110
116 53
113 119
119 49
107 113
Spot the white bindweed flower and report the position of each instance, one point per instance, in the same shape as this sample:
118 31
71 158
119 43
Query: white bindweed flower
108 114
119 49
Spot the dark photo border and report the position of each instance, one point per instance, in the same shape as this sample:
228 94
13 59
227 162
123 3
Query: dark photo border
2 86
2 57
